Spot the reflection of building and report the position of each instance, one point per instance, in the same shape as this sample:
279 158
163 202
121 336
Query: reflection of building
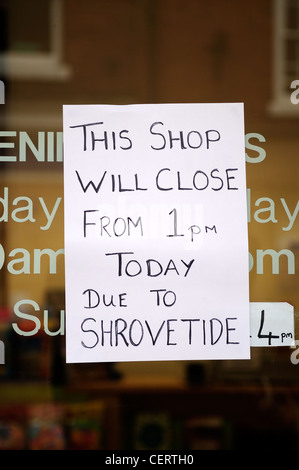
141 51
151 51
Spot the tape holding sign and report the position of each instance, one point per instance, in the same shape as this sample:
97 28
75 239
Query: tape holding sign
156 243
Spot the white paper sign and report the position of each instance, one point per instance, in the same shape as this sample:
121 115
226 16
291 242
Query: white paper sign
156 244
271 324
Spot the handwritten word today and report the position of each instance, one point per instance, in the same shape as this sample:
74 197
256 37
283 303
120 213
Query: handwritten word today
151 267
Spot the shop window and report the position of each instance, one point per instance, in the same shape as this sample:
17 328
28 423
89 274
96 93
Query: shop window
31 40
285 57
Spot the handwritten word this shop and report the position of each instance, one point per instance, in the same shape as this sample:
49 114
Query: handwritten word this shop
97 136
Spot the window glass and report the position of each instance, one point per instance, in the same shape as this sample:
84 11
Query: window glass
29 29
57 52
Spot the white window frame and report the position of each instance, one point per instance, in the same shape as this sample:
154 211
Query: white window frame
281 104
32 65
